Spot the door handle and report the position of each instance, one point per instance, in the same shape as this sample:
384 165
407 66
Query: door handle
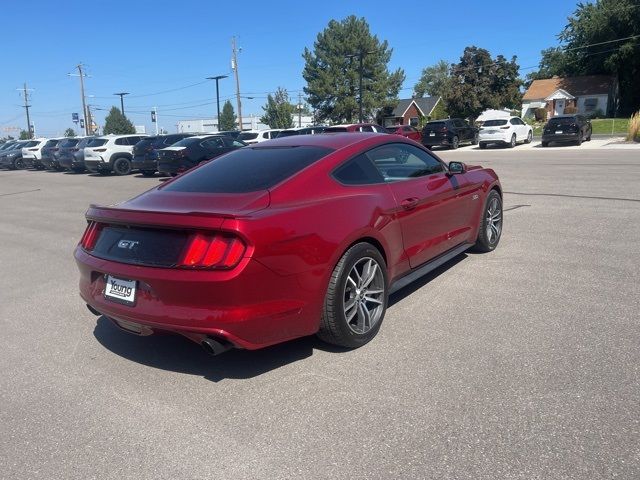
409 203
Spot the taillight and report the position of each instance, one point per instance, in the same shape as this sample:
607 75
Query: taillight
213 251
444 129
505 128
99 149
33 149
91 235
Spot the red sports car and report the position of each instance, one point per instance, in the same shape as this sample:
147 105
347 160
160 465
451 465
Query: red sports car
290 237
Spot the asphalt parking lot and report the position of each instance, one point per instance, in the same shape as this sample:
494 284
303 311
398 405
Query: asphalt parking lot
521 363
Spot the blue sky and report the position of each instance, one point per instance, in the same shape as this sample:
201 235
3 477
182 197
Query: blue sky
145 47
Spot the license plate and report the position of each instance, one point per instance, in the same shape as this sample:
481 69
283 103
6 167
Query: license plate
120 290
432 134
559 132
492 131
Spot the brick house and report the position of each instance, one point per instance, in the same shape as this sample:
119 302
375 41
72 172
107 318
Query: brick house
409 110
589 94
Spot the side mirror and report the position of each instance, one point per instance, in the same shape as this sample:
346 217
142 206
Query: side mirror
457 168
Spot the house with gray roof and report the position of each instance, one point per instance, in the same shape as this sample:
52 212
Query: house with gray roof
409 110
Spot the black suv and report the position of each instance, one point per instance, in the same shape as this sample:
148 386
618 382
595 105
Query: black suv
567 128
449 132
189 152
145 152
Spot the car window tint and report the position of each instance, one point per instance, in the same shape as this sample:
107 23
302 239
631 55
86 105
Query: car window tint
96 142
212 143
122 141
238 144
248 169
358 171
398 161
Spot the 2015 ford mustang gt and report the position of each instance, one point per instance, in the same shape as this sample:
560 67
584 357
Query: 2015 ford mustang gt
291 237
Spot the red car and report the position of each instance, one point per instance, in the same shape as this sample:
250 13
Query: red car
290 237
406 131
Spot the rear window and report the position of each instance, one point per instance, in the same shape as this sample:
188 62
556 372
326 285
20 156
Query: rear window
248 169
51 143
144 142
68 142
287 133
30 144
83 142
494 123
562 121
248 136
435 125
185 142
96 142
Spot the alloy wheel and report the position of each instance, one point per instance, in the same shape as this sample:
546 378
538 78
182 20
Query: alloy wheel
363 296
494 220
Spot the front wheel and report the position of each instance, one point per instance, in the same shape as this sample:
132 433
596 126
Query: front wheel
122 166
512 143
490 224
356 298
529 137
455 143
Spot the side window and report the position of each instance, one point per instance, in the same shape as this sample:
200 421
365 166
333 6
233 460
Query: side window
358 171
212 143
513 121
236 143
366 128
122 141
398 161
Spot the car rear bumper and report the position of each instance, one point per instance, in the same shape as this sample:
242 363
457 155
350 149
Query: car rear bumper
49 163
143 163
72 163
250 306
495 137
560 138
95 165
435 141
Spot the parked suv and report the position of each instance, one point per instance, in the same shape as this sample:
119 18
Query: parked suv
256 136
63 150
145 152
567 128
46 153
32 154
111 153
192 151
505 131
72 158
11 158
449 132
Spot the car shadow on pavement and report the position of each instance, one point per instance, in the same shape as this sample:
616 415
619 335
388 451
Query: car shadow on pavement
176 353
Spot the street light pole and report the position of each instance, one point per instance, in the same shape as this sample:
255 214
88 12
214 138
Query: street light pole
360 55
121 95
217 78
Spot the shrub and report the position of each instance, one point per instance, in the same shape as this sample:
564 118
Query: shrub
597 114
570 110
541 114
634 127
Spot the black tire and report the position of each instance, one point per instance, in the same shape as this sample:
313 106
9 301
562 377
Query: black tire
579 140
122 166
475 139
334 327
19 164
148 173
483 146
529 137
513 142
545 144
455 142
484 243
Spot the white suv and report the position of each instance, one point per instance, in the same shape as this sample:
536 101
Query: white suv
505 131
111 153
257 136
33 153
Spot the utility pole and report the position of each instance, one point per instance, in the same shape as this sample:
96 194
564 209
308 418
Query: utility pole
234 66
217 78
84 104
155 118
299 110
25 93
360 55
121 95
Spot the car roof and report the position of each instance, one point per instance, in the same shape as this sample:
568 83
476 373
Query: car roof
333 141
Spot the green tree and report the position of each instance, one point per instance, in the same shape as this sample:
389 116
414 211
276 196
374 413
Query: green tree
24 135
278 112
69 132
117 123
479 82
433 81
227 120
331 71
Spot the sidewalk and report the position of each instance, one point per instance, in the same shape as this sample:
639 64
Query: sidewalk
594 144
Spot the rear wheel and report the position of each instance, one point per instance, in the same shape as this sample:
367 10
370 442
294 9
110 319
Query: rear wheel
529 137
455 142
483 146
475 139
19 163
512 143
545 144
356 298
148 173
122 166
490 224
579 140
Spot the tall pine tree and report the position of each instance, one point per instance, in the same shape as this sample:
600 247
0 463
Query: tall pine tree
227 120
278 112
117 123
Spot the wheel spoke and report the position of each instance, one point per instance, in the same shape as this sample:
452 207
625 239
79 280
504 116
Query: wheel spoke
371 274
362 318
350 316
371 299
350 303
374 292
349 279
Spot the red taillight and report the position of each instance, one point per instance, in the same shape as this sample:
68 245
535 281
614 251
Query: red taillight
213 251
99 149
91 235
444 129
